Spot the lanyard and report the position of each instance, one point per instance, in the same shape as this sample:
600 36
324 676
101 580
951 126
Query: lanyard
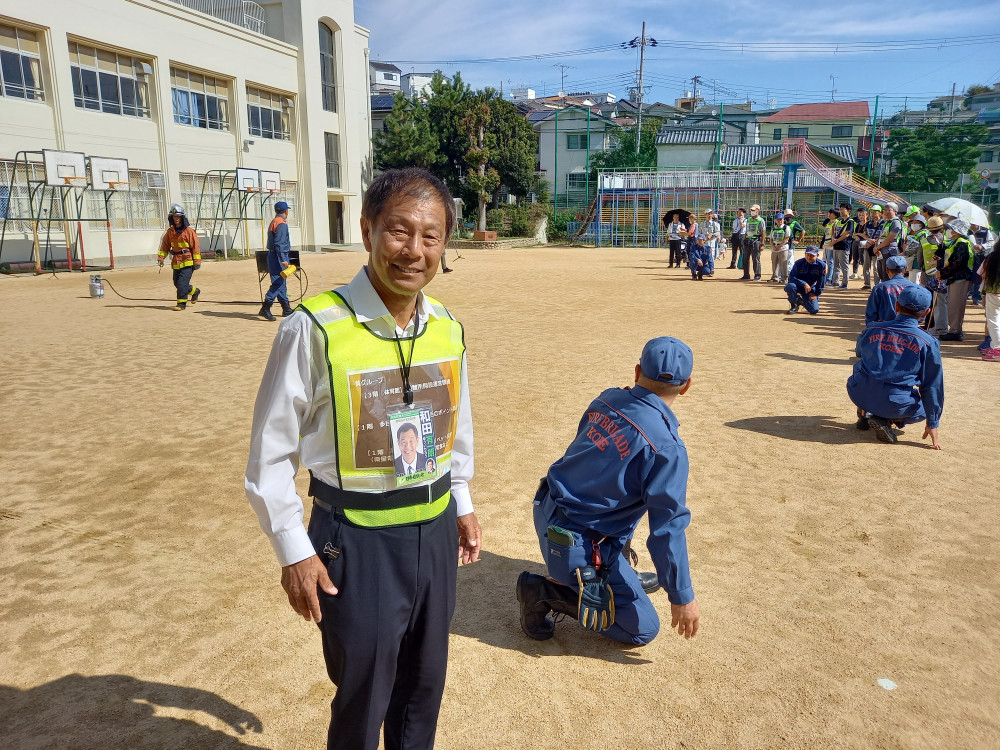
404 365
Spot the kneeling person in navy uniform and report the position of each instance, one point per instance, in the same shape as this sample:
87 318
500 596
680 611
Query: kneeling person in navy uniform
806 281
899 379
882 301
627 460
701 259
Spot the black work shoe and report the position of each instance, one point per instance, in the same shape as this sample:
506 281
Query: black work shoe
951 337
862 424
650 582
535 621
265 312
286 309
447 270
793 309
195 295
883 430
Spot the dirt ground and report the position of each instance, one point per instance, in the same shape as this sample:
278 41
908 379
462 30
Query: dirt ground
140 605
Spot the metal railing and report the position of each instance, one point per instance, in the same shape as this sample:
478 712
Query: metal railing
243 13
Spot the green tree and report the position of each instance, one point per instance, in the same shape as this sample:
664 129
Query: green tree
623 155
447 102
513 148
408 140
975 89
482 179
931 159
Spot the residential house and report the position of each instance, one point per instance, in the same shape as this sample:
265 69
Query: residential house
381 106
279 87
416 84
384 78
826 123
567 138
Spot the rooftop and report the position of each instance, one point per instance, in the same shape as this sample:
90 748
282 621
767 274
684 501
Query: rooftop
384 66
686 135
824 111
382 102
743 155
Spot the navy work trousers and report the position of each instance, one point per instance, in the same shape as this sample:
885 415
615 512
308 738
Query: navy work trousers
385 633
279 291
795 297
182 280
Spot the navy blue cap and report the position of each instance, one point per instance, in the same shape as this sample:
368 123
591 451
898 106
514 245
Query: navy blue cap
812 249
896 263
667 360
280 206
915 298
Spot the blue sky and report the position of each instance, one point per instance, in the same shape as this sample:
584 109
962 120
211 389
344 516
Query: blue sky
446 30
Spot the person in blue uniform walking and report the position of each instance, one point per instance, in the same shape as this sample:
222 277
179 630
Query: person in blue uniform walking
278 246
626 461
898 379
806 282
882 301
701 259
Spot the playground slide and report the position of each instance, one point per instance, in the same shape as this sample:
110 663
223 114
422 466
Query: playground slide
797 151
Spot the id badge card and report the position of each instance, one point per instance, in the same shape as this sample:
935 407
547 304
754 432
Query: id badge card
411 428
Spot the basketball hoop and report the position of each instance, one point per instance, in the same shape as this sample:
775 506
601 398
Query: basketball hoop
121 185
77 182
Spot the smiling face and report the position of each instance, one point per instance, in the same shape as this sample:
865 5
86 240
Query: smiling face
408 445
404 243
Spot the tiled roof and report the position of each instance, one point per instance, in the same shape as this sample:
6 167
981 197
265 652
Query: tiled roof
382 102
383 66
686 135
824 111
744 155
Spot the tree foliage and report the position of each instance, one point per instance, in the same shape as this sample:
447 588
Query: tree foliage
931 159
973 90
482 178
514 147
623 156
408 140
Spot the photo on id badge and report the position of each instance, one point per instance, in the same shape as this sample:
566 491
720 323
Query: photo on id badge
412 429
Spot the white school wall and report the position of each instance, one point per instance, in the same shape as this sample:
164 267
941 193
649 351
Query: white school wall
163 33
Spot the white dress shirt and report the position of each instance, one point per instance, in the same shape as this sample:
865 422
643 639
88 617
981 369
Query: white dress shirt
293 421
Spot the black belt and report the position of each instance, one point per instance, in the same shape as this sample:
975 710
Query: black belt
328 497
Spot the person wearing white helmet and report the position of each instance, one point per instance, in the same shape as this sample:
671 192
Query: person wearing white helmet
180 241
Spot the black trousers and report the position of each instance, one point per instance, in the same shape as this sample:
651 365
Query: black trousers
751 254
182 280
675 252
735 243
385 634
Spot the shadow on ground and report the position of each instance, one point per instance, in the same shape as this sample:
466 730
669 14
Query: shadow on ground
116 712
488 611
807 428
814 360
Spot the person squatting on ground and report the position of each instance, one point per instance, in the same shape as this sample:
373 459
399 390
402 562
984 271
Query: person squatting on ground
626 461
739 233
700 259
898 379
795 233
882 301
843 245
279 244
181 242
675 234
383 592
753 242
890 239
780 238
990 273
957 271
806 282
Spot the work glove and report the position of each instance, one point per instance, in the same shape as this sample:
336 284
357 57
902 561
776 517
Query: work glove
597 601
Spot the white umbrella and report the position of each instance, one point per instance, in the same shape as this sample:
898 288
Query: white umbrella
962 209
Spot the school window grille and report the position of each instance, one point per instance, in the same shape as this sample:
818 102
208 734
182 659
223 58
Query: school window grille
142 207
199 100
332 142
269 114
842 131
576 181
798 132
108 82
20 64
576 141
777 134
327 68
200 195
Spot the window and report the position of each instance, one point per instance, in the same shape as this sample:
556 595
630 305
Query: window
269 114
332 142
199 100
798 132
986 157
142 207
777 134
20 65
327 68
576 181
842 131
108 82
576 141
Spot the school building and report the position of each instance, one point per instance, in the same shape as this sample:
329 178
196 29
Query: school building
188 91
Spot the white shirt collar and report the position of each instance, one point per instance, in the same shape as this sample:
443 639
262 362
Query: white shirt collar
369 307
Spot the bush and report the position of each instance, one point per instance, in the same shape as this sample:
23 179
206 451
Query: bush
556 229
515 221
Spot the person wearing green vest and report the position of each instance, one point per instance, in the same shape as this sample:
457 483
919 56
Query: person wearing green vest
957 271
795 233
353 374
752 243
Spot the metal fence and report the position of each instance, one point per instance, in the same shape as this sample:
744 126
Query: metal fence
243 13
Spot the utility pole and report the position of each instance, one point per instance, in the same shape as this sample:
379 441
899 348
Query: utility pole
952 116
562 80
871 142
642 66
833 83
694 93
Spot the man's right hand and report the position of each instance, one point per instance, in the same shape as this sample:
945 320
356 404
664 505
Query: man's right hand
685 617
300 581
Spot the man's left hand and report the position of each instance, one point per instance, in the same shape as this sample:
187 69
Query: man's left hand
807 288
470 538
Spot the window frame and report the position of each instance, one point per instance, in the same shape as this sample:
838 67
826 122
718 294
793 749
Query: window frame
328 68
331 145
576 184
798 132
97 77
983 159
776 136
837 131
581 139
25 62
221 121
266 115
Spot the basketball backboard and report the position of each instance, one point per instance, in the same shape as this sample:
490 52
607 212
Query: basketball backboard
270 180
247 179
108 174
64 168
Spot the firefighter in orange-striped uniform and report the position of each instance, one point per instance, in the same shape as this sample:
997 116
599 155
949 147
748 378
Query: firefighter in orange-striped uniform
181 243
